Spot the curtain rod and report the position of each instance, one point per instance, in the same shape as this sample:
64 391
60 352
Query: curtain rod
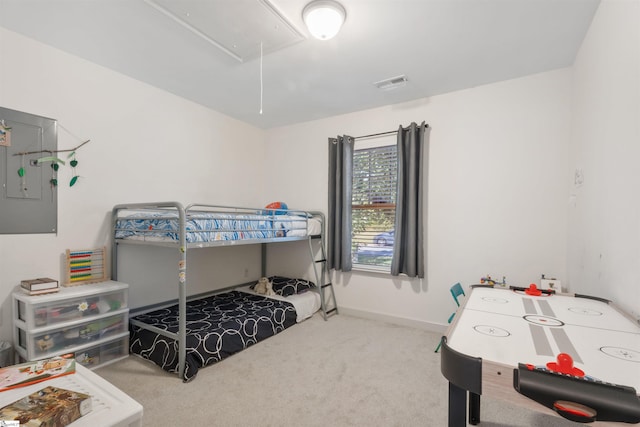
376 134
381 133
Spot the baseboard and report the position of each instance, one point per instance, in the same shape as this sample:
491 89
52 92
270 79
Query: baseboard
402 321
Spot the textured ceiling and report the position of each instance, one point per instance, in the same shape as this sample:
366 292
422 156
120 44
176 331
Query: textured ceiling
439 45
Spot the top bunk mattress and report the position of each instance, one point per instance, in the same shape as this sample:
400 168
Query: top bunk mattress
207 227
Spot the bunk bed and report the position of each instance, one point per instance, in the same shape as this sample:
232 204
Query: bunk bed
195 332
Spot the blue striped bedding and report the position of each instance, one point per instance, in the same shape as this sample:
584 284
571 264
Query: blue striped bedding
207 226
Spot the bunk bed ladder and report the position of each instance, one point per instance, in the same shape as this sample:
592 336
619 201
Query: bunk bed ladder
323 279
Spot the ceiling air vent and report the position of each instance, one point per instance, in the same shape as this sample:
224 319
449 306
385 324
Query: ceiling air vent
392 83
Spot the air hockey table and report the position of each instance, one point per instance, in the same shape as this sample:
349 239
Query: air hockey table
573 355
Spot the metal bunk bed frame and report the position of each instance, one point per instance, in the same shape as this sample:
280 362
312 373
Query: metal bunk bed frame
327 307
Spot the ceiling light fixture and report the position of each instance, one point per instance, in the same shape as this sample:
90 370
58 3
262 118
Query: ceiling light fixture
324 18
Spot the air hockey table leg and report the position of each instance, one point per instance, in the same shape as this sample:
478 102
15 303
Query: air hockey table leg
465 376
474 408
457 406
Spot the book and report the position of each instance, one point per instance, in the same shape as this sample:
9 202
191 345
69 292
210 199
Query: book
28 373
39 284
48 407
43 291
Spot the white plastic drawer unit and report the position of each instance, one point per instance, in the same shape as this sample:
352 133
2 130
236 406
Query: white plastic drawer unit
46 342
90 321
70 304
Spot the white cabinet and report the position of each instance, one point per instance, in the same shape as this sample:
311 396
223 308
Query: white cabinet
90 321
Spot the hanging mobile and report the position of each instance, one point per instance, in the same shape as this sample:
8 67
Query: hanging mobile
23 179
261 84
55 165
54 169
73 163
21 170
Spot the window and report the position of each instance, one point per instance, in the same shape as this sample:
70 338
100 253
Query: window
373 206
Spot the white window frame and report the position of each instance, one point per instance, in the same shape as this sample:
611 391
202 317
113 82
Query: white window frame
365 241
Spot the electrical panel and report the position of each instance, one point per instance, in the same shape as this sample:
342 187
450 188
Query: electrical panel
28 197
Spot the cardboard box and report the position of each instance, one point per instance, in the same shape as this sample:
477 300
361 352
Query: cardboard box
48 407
28 373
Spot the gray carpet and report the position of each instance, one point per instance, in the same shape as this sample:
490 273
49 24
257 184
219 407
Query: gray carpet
344 372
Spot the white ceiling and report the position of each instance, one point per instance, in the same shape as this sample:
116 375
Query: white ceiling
440 45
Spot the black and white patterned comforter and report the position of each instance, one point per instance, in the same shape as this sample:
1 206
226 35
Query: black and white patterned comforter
217 327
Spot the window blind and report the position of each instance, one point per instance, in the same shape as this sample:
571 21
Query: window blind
373 205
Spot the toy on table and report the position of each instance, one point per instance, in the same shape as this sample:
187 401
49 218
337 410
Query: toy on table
533 290
550 283
564 365
489 281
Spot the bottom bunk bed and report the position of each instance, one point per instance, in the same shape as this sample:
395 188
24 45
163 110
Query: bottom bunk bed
222 324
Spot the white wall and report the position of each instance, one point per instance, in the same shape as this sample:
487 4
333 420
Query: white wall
146 145
497 200
604 216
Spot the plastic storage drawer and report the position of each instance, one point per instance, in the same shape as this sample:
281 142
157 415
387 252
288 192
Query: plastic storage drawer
45 342
101 354
70 304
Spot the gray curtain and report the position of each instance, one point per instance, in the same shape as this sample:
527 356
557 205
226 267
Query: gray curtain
408 251
339 218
